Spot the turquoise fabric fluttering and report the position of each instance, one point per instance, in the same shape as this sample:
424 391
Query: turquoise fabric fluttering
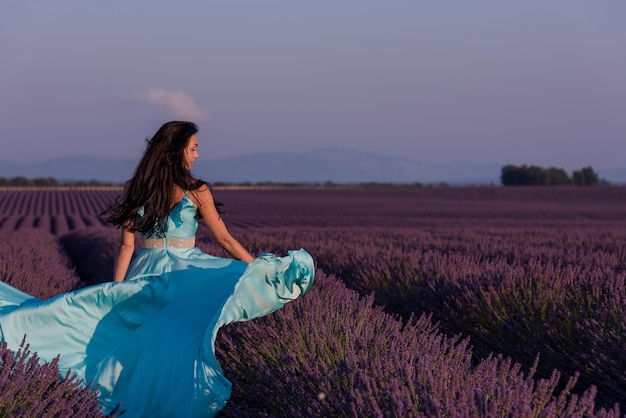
148 342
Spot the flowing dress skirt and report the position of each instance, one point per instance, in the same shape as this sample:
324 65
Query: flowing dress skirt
149 342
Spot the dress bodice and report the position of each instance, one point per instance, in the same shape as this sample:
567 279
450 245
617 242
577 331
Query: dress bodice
181 222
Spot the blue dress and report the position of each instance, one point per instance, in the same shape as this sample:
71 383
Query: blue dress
149 341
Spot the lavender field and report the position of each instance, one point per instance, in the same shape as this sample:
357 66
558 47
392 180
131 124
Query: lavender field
428 301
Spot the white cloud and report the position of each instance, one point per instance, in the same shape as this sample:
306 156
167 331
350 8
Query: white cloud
178 103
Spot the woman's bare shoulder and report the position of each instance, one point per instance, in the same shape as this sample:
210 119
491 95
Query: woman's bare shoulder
204 188
202 195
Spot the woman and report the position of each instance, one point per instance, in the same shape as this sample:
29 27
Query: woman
162 183
147 339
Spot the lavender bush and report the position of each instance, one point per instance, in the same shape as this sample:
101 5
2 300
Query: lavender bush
31 389
92 250
557 295
32 260
9 223
333 353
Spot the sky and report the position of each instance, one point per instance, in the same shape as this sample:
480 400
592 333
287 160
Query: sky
526 82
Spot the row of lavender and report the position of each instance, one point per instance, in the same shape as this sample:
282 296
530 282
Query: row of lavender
55 211
522 290
61 211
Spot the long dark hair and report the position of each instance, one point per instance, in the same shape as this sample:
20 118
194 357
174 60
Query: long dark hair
161 168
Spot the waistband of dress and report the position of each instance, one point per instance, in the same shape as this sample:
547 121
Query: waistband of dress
168 242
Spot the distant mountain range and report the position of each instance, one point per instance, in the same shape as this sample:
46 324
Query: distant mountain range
319 166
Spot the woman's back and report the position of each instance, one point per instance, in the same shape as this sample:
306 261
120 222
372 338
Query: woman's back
182 221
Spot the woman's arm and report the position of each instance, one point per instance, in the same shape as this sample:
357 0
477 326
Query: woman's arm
124 255
213 220
127 248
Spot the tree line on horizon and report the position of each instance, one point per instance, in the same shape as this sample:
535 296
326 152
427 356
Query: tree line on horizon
511 175
531 175
22 181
